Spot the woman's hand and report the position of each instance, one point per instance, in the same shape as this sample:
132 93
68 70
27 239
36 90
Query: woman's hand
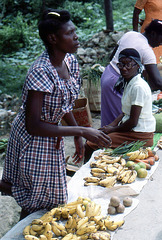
107 129
79 153
97 136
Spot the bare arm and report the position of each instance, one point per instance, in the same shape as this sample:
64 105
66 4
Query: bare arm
154 78
127 125
136 13
35 126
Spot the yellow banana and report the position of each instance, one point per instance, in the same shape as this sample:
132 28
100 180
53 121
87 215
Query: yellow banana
58 225
132 177
31 237
108 182
69 236
88 210
49 235
63 233
37 221
97 210
119 223
32 232
112 170
47 217
42 237
98 170
122 173
97 218
122 162
79 211
56 231
75 220
93 164
37 228
47 228
102 166
69 222
85 230
26 230
141 155
81 222
74 203
92 179
72 210
108 223
85 236
133 155
127 176
110 161
65 212
99 175
52 211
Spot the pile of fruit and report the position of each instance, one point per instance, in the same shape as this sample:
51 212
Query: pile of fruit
106 170
78 220
116 206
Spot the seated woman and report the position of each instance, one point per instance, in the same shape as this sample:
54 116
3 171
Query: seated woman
136 121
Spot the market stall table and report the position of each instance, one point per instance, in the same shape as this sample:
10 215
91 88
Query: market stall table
102 195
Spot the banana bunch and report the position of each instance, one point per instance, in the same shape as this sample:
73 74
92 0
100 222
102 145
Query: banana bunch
127 176
138 154
83 221
108 181
104 157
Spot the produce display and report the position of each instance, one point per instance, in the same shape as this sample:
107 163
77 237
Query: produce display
107 170
80 219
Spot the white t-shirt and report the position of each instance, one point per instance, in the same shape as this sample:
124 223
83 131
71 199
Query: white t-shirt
138 92
137 41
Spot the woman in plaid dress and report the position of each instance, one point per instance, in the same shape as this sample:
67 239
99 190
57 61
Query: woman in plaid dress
35 162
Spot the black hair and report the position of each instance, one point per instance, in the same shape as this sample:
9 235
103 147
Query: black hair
155 25
51 21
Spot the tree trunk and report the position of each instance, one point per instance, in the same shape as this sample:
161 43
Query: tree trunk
109 15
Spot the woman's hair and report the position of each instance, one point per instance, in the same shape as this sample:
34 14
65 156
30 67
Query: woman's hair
50 22
155 25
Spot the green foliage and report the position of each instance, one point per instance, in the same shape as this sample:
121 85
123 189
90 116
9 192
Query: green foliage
14 34
19 40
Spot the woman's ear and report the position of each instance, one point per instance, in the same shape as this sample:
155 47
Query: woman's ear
51 39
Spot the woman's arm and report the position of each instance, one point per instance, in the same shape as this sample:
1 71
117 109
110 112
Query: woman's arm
135 22
127 125
35 126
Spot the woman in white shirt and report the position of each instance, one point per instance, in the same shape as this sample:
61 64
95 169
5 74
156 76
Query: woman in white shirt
136 121
142 42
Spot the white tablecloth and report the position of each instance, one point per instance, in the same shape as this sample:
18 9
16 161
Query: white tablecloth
98 194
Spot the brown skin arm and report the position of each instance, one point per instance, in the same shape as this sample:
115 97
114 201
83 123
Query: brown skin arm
135 21
153 77
127 125
79 153
35 126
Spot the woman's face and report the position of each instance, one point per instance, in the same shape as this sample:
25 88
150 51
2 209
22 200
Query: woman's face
128 67
67 39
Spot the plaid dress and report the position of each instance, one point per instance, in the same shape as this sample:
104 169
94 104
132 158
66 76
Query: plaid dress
33 165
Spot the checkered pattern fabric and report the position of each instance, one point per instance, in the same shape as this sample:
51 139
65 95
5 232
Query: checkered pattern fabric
33 164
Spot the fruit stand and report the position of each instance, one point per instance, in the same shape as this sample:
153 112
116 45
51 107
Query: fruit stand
97 195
